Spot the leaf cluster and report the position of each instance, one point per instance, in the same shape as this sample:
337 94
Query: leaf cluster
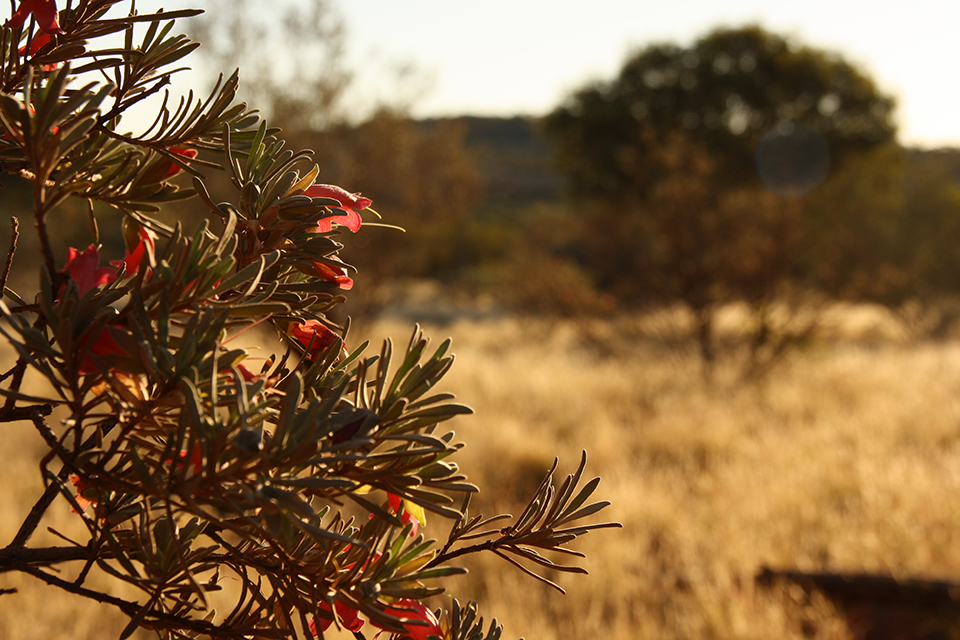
305 482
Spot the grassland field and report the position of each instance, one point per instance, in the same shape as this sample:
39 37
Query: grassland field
845 457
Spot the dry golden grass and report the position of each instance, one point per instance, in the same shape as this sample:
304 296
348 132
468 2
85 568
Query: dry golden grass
846 458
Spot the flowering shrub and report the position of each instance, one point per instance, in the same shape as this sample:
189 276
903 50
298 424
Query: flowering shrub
309 479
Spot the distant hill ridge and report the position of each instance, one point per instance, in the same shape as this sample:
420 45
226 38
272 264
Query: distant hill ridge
513 157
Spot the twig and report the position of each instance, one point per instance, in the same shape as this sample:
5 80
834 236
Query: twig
446 556
19 369
25 308
155 619
14 236
13 166
46 432
11 558
36 513
16 414
45 247
33 518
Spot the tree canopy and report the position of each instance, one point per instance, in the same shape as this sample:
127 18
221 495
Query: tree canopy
728 92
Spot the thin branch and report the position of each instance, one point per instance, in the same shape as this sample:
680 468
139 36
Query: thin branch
489 545
19 369
15 414
154 619
41 211
26 308
33 518
13 166
12 557
45 432
120 107
14 236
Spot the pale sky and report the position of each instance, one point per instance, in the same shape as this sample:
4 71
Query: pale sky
506 57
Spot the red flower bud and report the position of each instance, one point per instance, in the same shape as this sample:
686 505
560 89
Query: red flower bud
103 344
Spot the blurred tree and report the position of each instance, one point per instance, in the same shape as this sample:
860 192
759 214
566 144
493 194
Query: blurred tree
854 245
695 163
424 181
926 291
726 92
301 83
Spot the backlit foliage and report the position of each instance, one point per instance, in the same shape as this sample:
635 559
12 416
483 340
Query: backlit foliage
306 478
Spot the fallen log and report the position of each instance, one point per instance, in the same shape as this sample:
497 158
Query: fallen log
881 607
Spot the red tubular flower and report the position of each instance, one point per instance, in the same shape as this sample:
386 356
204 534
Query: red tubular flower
131 259
350 203
84 269
39 40
103 344
315 336
349 618
195 465
246 374
36 44
80 485
43 11
412 610
409 612
334 274
174 167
